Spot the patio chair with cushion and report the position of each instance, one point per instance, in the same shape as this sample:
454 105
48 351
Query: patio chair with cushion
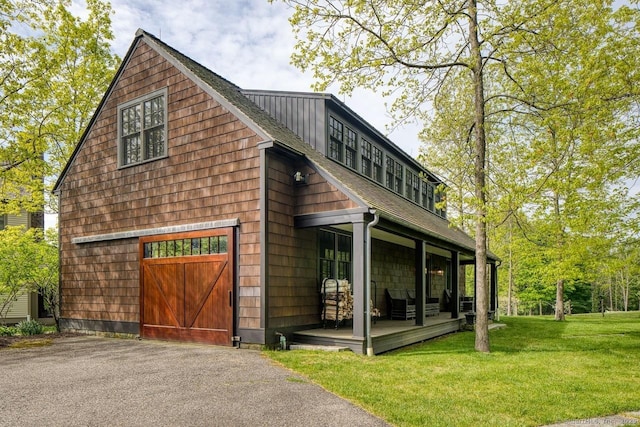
399 305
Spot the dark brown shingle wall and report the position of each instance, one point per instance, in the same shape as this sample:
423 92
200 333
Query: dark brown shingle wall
211 173
293 290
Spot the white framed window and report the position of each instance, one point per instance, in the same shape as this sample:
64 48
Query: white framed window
142 129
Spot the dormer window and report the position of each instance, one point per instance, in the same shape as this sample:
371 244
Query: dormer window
350 148
394 175
142 129
377 164
413 187
336 134
365 149
427 195
343 143
349 145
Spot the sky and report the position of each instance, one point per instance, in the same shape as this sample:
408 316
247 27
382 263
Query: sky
248 42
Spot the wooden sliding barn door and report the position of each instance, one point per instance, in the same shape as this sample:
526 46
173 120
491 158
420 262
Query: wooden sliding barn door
187 286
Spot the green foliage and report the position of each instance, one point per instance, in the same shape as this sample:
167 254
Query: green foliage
562 132
47 273
29 327
17 251
553 89
539 372
54 68
413 51
29 264
581 297
7 331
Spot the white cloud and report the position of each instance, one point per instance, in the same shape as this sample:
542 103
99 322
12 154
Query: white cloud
248 42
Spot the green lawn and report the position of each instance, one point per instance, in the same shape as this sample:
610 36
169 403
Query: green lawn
539 372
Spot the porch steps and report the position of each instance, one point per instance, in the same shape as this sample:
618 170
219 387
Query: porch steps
315 347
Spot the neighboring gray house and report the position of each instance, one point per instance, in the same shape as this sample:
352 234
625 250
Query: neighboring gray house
28 305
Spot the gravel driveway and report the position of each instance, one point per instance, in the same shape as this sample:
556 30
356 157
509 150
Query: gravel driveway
84 381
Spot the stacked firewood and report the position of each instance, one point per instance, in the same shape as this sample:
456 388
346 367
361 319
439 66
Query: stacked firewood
339 306
338 301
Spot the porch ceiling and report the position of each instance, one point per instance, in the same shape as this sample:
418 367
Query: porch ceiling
399 240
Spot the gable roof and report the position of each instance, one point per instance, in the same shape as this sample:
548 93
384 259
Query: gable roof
361 190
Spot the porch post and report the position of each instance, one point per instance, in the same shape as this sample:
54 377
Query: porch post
494 287
475 287
455 284
359 253
421 281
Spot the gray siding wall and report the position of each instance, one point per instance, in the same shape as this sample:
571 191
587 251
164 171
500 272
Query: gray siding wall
303 115
16 220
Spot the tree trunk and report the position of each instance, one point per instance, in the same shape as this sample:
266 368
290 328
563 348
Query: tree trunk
510 290
560 299
482 291
611 297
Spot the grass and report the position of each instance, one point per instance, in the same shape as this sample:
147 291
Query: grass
539 372
31 343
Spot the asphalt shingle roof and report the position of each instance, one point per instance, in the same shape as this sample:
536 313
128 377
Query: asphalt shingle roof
387 204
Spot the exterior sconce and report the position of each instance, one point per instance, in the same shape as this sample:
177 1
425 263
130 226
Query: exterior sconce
299 178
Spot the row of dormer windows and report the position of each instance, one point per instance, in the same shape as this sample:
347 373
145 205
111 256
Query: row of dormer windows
361 155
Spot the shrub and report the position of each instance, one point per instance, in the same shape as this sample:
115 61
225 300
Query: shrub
7 331
30 327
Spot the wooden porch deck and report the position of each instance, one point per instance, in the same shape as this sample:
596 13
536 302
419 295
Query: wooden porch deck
386 334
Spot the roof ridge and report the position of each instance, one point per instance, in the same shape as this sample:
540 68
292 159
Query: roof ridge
184 58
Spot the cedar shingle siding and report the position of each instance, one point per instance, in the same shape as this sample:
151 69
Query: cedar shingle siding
293 289
211 173
228 164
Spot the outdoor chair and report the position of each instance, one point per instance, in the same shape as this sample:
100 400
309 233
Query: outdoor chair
431 305
399 305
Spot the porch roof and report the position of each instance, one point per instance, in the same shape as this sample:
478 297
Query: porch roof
363 191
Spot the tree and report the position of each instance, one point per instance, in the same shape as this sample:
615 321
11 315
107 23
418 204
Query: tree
54 68
29 264
18 252
413 50
562 127
46 273
410 47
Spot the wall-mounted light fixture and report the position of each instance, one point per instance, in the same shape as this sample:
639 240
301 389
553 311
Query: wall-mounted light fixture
299 178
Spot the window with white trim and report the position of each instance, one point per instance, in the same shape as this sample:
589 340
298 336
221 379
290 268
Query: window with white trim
142 129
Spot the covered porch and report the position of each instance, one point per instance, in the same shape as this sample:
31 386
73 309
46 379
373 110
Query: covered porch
386 334
379 257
